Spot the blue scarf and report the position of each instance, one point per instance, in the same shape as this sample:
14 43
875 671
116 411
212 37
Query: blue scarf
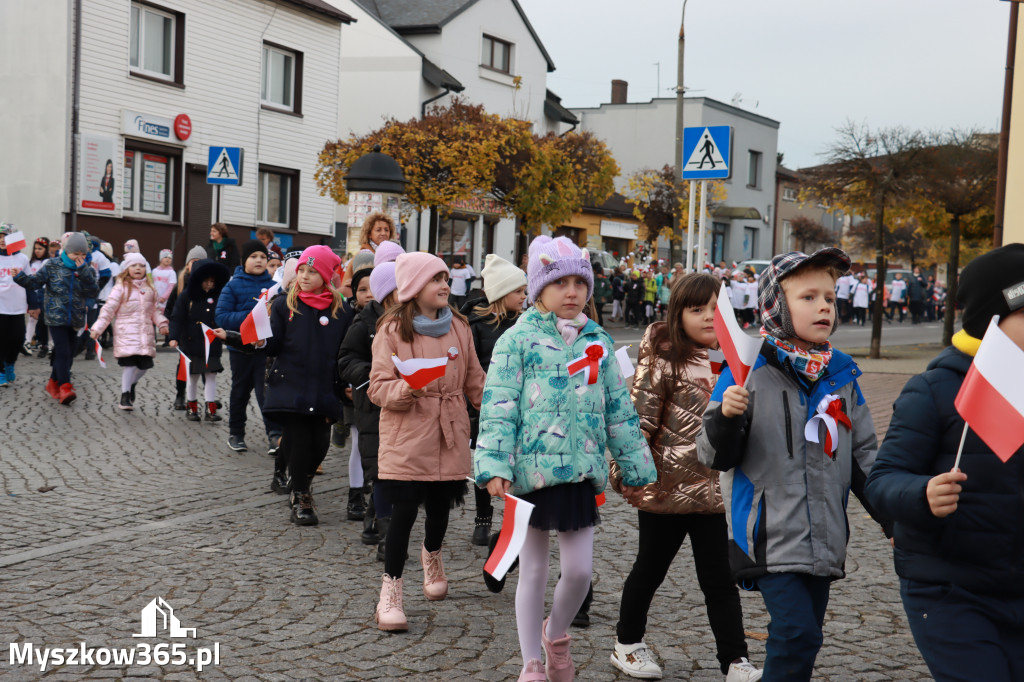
68 263
435 328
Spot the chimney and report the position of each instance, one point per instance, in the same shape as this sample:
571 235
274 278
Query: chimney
619 91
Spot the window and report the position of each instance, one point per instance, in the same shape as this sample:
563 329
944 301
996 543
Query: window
789 194
281 88
750 242
277 197
147 186
787 236
455 238
497 54
754 170
156 43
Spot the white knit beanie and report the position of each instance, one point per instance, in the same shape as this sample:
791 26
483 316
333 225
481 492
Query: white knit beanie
501 278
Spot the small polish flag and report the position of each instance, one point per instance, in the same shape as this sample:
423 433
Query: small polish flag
256 325
15 241
991 399
717 359
625 362
600 499
99 354
739 349
418 373
514 524
208 337
270 293
183 366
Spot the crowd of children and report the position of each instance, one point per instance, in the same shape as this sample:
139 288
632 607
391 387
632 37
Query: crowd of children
529 402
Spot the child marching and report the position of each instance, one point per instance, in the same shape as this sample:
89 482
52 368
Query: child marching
13 305
555 399
194 307
424 454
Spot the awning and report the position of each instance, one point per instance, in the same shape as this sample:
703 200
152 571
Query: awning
438 77
737 213
553 109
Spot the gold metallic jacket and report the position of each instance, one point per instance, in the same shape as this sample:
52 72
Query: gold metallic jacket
671 411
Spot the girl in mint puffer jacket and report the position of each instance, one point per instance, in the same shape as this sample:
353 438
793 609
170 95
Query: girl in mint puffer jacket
554 400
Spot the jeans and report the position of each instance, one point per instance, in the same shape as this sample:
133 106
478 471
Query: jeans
248 372
963 636
796 603
661 536
64 340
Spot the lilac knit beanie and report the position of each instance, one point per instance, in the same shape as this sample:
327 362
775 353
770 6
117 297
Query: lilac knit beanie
387 252
382 281
552 259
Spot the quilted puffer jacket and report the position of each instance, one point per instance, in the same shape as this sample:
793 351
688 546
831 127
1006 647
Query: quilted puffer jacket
671 410
65 290
541 427
131 307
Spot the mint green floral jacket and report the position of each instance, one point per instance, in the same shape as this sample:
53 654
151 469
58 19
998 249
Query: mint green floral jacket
540 427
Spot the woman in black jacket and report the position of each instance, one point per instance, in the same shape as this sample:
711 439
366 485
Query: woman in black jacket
222 248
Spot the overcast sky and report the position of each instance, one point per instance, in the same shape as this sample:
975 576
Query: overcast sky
809 64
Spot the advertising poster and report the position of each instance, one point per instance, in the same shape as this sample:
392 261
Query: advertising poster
97 174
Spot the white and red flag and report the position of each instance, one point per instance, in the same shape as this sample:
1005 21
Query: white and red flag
420 372
739 349
991 399
256 325
15 241
625 362
99 354
209 336
717 359
183 366
514 524
590 362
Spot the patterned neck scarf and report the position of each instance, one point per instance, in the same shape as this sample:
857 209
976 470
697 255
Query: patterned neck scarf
809 363
570 329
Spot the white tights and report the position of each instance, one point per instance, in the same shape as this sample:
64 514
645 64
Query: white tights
576 551
129 377
209 387
355 464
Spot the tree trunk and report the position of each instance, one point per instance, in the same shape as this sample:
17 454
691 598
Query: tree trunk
953 265
879 305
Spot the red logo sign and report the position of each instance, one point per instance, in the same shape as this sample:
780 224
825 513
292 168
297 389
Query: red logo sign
182 126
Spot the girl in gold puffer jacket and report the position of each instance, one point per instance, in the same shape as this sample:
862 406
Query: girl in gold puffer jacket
671 389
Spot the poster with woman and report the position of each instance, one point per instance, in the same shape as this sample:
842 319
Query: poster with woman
97 175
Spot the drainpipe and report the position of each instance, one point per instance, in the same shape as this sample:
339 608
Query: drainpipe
423 107
77 68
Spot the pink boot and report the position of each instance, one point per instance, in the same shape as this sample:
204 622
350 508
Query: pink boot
389 615
533 671
559 661
435 582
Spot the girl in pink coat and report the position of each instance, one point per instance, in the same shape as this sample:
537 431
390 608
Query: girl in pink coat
133 308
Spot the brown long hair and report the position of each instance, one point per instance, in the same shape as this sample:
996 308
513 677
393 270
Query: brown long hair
669 339
402 315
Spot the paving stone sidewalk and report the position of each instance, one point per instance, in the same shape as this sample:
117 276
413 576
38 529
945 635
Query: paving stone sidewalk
146 505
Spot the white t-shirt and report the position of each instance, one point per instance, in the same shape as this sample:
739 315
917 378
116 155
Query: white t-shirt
12 296
459 277
164 279
844 285
861 291
115 270
898 291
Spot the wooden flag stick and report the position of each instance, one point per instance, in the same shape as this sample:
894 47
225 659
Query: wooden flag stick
960 450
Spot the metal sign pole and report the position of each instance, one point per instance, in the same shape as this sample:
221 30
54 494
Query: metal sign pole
689 226
703 221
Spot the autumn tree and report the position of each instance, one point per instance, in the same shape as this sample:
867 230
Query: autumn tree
652 194
867 173
960 184
905 241
806 231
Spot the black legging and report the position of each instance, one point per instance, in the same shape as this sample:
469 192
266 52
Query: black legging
308 438
12 337
403 517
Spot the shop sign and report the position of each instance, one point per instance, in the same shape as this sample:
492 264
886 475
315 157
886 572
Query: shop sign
156 128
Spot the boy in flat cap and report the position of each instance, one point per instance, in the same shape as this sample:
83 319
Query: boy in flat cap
791 446
959 544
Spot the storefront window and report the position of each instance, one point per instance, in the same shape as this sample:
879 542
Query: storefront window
146 185
455 238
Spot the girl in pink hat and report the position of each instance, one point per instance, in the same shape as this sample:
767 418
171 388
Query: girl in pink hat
423 456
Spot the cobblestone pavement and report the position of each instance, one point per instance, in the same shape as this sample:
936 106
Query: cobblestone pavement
146 505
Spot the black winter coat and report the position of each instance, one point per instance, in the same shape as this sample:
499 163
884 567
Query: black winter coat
354 360
485 336
303 376
635 290
980 546
193 307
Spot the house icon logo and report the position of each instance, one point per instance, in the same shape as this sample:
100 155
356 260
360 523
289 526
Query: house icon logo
158 615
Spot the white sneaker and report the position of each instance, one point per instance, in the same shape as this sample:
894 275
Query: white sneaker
636 660
743 671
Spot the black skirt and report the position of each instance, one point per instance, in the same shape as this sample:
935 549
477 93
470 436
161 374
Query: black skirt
415 492
140 361
565 507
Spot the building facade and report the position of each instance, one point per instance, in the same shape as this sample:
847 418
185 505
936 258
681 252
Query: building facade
159 84
794 203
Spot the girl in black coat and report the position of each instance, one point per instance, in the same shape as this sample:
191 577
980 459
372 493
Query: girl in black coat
303 388
197 305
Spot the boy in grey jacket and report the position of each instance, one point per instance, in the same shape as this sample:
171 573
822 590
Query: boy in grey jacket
792 444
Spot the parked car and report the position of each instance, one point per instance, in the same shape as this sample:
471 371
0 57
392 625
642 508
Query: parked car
757 265
605 260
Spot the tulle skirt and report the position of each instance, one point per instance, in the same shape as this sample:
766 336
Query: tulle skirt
565 507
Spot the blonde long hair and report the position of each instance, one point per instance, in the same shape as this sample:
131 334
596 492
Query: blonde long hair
123 276
293 299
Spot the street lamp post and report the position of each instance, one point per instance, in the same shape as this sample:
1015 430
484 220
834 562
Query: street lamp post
679 131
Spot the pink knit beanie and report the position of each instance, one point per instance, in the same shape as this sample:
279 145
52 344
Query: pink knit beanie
413 271
322 259
132 258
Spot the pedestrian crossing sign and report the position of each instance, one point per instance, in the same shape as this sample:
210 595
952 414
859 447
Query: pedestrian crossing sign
706 151
224 166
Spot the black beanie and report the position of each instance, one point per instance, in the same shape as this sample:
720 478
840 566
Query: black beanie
991 284
252 247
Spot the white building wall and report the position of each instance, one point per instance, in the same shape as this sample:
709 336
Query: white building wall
35 49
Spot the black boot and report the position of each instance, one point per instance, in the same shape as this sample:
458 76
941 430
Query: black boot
370 536
132 392
356 504
179 395
382 530
280 484
482 530
193 411
492 583
582 619
303 509
339 435
211 413
126 401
